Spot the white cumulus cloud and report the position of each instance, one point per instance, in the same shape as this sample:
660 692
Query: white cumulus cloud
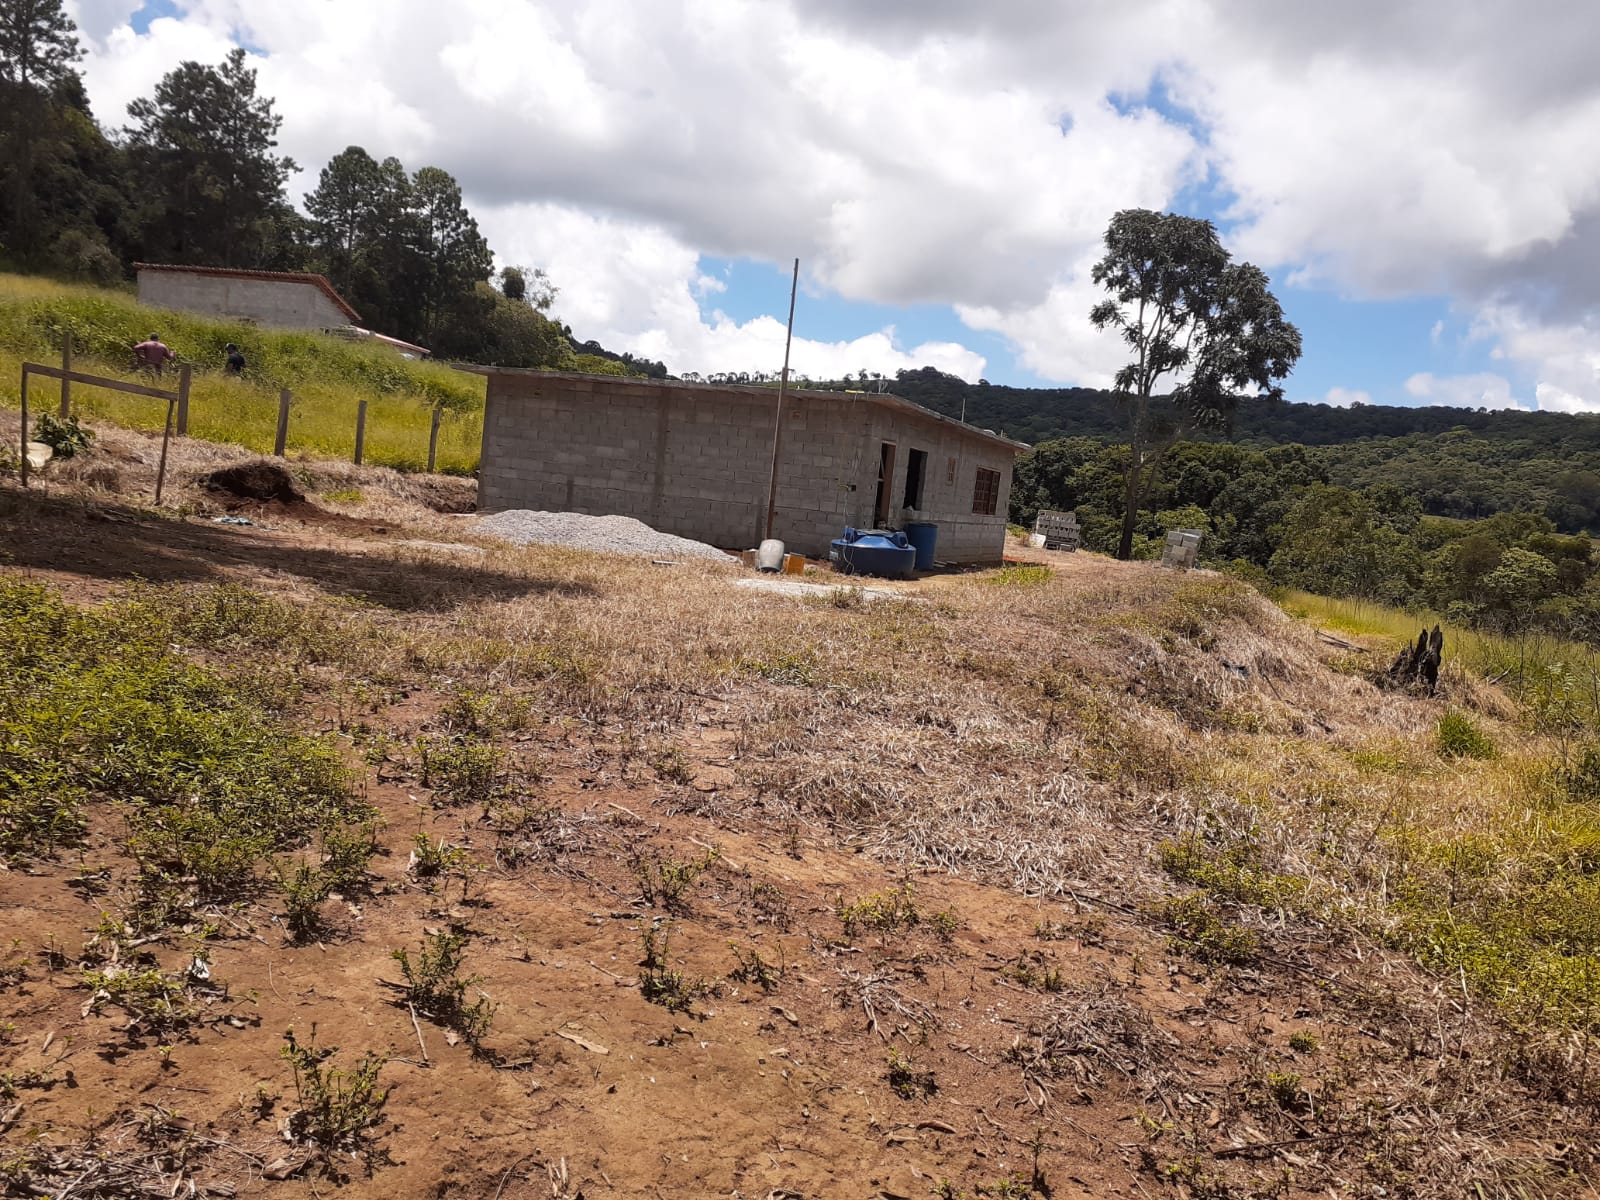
935 152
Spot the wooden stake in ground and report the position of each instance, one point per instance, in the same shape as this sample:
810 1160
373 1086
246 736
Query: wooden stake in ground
433 438
282 439
183 400
66 369
23 465
361 431
166 437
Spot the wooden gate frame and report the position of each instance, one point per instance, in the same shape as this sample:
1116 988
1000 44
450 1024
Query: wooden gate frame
177 399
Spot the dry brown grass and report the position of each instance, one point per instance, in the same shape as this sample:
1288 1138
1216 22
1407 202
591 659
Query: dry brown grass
1047 741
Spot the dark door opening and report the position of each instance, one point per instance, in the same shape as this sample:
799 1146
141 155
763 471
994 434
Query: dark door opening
880 507
916 473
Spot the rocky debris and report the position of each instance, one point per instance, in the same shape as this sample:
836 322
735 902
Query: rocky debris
613 534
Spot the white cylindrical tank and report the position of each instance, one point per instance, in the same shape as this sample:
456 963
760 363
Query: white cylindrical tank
770 555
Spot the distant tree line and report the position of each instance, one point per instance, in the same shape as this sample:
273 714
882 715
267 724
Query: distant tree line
195 178
1277 515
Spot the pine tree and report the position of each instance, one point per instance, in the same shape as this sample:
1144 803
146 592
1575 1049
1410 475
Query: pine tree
203 149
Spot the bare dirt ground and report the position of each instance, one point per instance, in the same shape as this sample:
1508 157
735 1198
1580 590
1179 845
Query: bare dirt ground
1038 1028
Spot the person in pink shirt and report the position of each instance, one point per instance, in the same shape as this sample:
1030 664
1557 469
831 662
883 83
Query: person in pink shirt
153 354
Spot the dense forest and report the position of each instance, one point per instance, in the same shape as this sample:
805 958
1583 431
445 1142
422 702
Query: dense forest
195 178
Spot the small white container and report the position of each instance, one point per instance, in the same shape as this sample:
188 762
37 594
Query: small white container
769 557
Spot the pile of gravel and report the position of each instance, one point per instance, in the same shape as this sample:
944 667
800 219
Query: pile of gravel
618 535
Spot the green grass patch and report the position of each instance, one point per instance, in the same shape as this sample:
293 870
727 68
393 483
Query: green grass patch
101 709
1021 575
1459 736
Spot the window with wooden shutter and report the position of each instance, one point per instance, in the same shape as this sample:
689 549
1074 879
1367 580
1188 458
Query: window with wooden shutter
986 492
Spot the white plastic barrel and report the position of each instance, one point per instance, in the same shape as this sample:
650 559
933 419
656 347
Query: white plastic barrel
770 555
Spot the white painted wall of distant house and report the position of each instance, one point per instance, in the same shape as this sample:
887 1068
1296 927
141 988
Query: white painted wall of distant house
278 303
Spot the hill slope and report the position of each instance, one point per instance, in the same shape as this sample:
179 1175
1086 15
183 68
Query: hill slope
1084 877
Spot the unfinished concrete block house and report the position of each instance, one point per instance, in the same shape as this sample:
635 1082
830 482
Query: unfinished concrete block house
696 460
276 299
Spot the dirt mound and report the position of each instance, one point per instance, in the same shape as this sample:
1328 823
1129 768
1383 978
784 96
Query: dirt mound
260 480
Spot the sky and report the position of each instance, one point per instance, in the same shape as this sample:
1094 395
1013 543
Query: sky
1420 180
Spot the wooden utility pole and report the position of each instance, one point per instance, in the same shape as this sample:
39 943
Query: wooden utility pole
783 387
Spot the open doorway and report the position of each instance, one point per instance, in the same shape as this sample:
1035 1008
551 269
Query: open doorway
916 476
881 506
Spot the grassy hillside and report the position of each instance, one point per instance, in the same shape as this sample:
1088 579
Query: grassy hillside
328 376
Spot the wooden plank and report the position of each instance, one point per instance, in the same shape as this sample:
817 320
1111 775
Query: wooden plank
361 431
115 385
281 441
166 437
433 439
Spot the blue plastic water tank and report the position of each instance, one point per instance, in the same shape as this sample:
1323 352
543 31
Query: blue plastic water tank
874 552
924 537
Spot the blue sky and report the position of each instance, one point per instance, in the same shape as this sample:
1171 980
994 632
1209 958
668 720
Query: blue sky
1437 174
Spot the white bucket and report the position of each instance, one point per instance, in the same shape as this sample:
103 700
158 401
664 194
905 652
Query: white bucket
769 557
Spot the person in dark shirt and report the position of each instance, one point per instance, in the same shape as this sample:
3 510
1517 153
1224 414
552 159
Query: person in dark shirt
235 360
153 354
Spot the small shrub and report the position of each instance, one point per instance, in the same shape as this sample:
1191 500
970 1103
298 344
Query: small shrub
1459 736
155 1002
667 882
945 925
906 1081
1303 1041
347 853
1036 971
1284 1089
335 1108
344 496
659 983
304 892
435 987
486 714
671 766
752 968
462 770
66 436
432 862
1206 936
882 911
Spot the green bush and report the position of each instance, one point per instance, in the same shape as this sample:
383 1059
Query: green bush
1459 736
64 435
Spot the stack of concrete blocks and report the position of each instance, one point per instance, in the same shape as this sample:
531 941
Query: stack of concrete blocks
1182 548
1056 530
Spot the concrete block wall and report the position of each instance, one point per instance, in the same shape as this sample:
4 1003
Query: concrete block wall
279 303
954 457
696 461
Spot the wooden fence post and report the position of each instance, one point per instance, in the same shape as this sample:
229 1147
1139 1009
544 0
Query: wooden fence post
166 436
66 384
433 439
22 467
361 431
183 400
282 439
